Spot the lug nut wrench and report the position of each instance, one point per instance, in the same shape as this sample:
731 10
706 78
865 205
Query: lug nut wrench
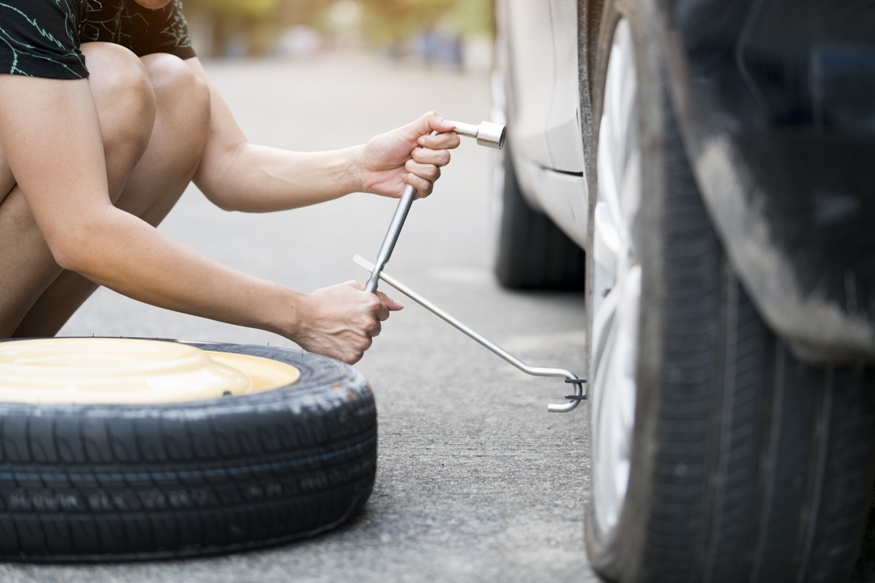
487 134
570 378
490 135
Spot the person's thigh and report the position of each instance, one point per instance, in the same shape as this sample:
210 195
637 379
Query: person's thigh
152 187
125 105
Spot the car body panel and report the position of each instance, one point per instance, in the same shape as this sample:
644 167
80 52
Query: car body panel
538 77
777 107
530 65
563 125
567 202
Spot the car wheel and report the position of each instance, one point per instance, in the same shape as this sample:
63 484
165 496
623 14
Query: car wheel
117 465
716 454
530 252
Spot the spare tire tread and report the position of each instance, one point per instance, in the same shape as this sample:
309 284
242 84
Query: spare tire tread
128 482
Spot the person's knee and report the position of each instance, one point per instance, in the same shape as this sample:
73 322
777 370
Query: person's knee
125 102
178 141
182 98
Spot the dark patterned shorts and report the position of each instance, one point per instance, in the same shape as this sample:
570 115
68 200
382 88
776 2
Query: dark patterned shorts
41 38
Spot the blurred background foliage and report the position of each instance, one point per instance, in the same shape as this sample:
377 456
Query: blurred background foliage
433 30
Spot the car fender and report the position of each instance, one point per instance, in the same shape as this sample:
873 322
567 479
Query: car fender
779 126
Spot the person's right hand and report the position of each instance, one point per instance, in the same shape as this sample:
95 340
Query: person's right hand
341 321
407 155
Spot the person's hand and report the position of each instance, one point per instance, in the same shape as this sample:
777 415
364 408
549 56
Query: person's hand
407 155
341 321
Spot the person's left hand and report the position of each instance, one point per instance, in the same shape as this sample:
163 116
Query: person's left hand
407 155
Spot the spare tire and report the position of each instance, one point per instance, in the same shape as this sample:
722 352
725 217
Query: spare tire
115 481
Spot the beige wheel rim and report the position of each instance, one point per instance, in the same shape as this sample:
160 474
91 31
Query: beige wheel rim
130 371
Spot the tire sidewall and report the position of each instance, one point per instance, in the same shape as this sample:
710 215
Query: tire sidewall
617 554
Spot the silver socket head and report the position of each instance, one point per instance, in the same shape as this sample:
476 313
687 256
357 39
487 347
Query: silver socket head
488 134
491 135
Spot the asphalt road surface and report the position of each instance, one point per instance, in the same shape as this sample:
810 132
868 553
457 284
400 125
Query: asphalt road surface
476 481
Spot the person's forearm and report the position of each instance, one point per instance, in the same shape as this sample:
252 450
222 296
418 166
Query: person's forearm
264 179
238 175
129 256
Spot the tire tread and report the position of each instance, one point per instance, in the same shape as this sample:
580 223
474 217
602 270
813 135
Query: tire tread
91 483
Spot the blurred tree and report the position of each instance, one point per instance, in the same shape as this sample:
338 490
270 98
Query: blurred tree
239 8
472 16
250 25
393 21
304 12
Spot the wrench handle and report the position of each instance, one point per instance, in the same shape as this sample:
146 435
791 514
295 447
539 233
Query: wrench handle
391 237
407 198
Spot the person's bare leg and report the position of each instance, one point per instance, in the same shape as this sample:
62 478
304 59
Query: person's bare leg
178 140
126 109
153 187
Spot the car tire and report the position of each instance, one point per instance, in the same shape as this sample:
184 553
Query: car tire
717 455
123 482
531 252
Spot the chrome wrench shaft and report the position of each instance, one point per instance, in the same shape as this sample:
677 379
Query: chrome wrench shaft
391 237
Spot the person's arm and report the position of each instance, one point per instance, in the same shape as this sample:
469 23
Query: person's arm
238 175
50 135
